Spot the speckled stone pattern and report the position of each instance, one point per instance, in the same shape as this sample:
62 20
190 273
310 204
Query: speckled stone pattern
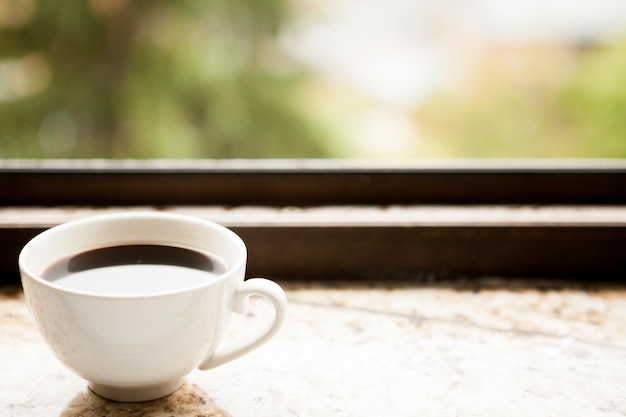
482 349
189 400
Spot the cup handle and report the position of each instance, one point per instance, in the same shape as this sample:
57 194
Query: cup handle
256 286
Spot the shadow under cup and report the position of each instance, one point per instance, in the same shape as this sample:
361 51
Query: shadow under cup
139 346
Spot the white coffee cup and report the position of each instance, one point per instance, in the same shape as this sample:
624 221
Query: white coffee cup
138 347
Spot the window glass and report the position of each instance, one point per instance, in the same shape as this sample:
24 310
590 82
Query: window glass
389 79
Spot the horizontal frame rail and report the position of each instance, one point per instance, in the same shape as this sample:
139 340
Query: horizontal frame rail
550 243
309 183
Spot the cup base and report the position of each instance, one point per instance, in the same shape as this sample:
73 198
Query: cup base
134 394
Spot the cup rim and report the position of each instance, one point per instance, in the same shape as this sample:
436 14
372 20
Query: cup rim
27 272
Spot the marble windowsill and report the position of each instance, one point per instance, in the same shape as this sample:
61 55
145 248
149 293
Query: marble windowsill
362 351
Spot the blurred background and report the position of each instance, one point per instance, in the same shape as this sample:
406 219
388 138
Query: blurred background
391 79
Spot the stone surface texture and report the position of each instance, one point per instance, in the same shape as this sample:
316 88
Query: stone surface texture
479 349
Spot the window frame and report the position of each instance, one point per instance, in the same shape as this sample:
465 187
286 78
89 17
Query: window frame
409 249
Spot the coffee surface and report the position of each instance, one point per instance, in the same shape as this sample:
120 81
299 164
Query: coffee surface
135 270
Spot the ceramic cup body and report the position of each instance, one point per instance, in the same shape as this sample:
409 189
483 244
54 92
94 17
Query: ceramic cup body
136 346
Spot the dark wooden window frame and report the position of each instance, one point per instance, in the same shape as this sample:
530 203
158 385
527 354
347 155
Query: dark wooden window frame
343 220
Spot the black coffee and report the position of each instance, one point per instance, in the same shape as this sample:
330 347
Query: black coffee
135 269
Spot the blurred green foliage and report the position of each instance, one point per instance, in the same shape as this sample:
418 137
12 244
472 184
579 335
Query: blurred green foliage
208 79
581 113
150 79
594 102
